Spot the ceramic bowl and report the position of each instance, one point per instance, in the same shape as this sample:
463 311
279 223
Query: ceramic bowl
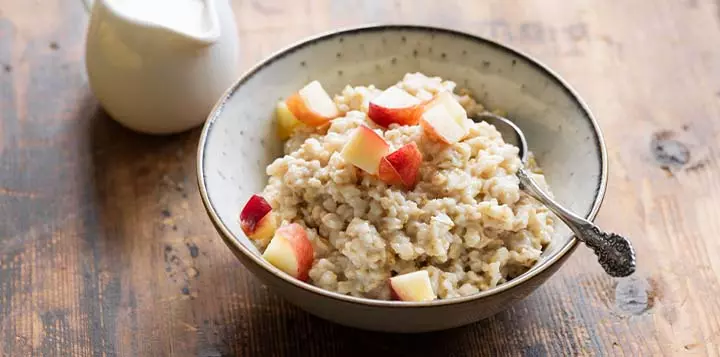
239 141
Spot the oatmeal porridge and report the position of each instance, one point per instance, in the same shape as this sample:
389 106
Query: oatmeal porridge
382 184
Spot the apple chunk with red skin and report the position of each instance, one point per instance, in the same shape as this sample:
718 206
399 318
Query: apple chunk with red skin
312 105
365 149
413 286
257 219
444 119
290 251
395 106
401 166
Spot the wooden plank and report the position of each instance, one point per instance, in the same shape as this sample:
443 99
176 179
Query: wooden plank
105 249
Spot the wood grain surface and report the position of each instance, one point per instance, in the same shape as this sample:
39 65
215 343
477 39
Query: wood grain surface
105 249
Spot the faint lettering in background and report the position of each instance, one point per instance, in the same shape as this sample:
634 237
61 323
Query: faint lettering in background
576 33
562 40
534 32
501 30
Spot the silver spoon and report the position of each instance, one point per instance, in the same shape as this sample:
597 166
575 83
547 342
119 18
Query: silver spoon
615 253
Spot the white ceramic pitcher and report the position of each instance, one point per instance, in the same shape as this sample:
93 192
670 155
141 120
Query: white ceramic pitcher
158 66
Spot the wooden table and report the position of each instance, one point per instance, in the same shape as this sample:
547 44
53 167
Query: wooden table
105 249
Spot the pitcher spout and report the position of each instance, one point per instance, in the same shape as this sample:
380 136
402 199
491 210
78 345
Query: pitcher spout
195 21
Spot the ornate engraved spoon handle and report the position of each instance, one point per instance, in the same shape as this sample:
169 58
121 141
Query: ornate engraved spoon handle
615 253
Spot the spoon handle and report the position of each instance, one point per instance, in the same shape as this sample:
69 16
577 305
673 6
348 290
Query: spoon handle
615 253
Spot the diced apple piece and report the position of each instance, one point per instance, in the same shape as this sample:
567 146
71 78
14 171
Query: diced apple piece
312 105
365 149
257 219
413 286
455 109
444 119
388 174
395 105
290 251
286 121
401 166
439 126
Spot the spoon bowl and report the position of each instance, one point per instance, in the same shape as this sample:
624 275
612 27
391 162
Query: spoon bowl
615 252
510 132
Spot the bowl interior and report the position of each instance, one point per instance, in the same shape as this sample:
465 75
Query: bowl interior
240 138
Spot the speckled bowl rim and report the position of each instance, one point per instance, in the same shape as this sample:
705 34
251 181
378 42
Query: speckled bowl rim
233 241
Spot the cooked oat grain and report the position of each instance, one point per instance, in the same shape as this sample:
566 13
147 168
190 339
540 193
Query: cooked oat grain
466 221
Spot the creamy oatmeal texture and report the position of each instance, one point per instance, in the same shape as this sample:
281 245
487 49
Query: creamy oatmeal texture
466 221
